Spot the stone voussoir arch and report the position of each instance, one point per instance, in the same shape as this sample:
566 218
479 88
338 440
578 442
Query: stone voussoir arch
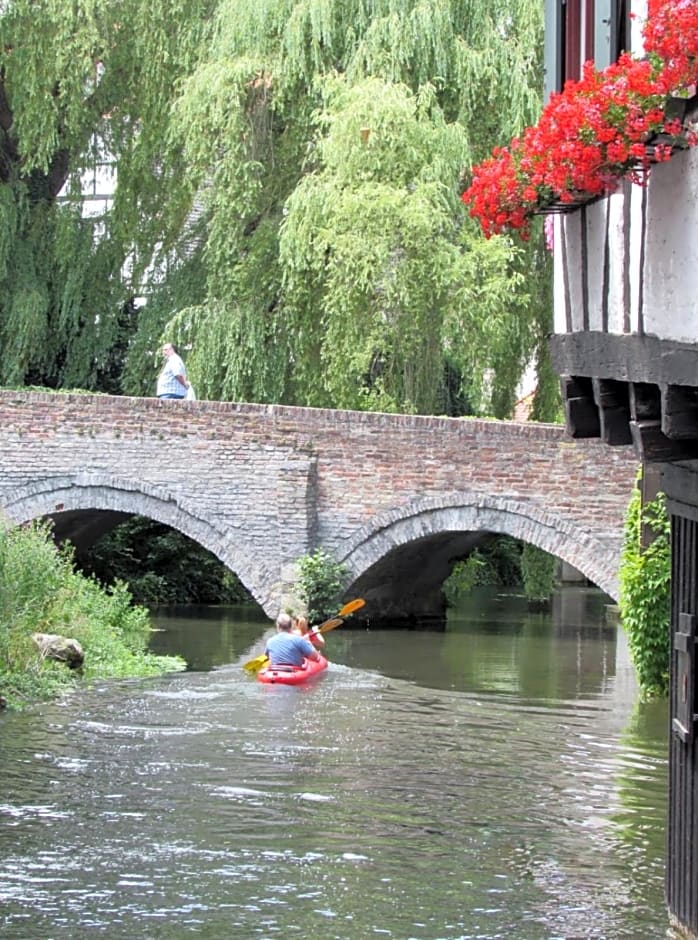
97 491
597 560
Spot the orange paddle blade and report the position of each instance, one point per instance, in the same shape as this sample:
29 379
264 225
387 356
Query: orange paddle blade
328 625
351 606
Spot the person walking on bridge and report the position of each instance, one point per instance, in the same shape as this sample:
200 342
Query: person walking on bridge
172 381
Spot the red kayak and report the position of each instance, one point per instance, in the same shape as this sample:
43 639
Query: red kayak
292 675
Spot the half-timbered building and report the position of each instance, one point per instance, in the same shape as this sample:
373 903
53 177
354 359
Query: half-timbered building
625 344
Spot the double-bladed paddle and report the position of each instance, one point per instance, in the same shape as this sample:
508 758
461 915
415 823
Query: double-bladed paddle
259 662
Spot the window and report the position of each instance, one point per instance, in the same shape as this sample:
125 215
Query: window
578 30
577 35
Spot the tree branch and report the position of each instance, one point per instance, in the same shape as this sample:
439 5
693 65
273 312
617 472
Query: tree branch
6 115
58 171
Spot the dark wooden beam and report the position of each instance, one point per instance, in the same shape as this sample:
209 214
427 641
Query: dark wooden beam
614 411
680 483
650 486
680 412
652 445
625 358
581 412
645 401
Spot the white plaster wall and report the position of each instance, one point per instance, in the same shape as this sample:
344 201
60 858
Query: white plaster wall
574 274
617 300
568 227
568 287
596 237
559 308
662 288
671 268
639 15
669 291
636 196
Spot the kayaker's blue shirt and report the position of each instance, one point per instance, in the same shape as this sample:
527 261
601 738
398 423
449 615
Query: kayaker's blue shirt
289 649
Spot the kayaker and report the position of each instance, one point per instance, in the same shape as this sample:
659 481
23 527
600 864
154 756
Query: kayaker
302 628
288 648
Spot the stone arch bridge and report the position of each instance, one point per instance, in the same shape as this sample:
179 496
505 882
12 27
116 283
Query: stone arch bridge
396 498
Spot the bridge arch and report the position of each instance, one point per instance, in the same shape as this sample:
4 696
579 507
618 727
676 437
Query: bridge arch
103 493
427 520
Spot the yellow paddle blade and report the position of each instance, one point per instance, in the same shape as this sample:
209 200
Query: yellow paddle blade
254 665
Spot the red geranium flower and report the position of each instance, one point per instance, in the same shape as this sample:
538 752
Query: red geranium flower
596 131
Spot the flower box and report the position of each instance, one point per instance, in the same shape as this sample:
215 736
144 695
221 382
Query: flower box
560 207
681 109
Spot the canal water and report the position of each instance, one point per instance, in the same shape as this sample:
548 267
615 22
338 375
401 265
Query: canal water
498 780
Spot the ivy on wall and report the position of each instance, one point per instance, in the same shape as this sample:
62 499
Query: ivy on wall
645 574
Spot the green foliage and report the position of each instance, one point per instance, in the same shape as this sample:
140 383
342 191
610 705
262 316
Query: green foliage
85 86
161 566
287 178
31 573
112 632
325 142
645 574
40 591
320 584
496 562
547 401
505 556
538 574
476 570
369 255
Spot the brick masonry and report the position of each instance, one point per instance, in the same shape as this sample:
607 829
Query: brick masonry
261 485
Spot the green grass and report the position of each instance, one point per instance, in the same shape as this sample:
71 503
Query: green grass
40 591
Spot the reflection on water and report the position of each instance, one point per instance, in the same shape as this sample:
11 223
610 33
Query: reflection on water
207 636
496 780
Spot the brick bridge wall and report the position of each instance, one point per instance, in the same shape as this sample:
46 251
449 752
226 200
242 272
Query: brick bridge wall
396 498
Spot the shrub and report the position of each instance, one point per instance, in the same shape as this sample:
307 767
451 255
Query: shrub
161 566
31 571
41 592
475 570
496 562
538 573
320 585
645 593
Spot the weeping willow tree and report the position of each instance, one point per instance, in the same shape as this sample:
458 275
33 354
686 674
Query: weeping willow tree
325 144
286 181
84 85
